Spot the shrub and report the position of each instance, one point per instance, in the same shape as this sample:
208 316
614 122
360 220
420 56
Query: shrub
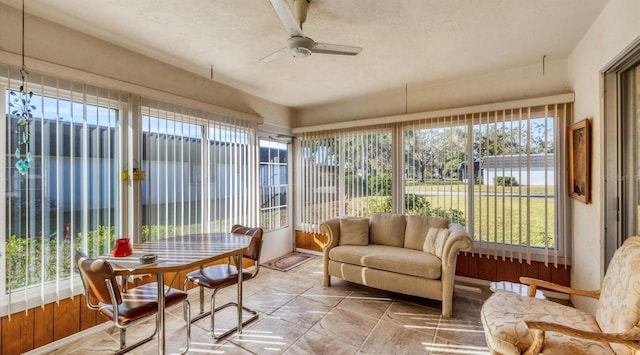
420 206
379 185
505 181
18 249
354 185
379 204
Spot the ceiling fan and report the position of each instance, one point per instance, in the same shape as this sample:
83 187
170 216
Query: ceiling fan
298 45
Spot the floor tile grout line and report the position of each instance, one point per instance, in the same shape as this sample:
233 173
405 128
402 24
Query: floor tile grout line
377 323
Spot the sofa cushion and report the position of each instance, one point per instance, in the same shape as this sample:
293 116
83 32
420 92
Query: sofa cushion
394 259
387 229
354 231
434 240
502 317
417 227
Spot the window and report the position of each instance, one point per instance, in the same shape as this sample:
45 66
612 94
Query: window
187 155
345 174
274 184
67 200
232 172
172 190
493 172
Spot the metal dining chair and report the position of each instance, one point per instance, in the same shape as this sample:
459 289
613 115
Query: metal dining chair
124 308
219 276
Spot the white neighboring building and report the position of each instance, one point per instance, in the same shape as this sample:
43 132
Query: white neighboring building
530 169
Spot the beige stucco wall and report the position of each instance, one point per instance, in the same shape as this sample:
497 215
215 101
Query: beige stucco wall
512 84
614 30
62 46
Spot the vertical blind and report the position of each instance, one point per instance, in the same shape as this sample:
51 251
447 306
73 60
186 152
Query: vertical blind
67 198
495 173
500 174
344 173
200 169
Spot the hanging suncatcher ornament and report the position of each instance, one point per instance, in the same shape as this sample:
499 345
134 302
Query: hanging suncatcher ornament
22 109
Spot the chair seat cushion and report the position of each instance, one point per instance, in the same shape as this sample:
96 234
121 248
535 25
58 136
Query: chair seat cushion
217 276
503 314
142 301
393 259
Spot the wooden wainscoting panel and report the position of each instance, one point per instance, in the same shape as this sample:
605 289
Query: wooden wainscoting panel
88 317
487 267
561 275
508 270
310 241
66 315
43 325
462 265
530 269
17 333
544 272
473 266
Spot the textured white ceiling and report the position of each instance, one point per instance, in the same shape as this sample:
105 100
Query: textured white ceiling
404 42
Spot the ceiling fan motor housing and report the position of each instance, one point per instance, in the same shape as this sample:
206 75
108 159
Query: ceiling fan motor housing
300 46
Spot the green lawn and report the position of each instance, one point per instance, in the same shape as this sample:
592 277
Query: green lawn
457 186
499 215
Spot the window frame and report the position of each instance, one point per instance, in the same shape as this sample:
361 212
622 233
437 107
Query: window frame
287 186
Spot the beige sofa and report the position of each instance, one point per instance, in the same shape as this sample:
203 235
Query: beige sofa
414 255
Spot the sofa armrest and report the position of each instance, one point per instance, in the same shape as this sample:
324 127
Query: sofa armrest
458 240
331 228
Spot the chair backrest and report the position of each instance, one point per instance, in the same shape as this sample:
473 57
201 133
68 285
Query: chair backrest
619 303
95 274
256 242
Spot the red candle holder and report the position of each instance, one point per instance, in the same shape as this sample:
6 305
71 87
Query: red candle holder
123 248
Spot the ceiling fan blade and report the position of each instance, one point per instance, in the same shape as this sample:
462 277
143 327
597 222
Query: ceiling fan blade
287 18
328 48
275 55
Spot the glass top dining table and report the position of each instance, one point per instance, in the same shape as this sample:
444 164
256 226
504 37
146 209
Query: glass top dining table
182 253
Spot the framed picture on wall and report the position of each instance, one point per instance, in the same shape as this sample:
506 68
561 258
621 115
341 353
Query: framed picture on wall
580 161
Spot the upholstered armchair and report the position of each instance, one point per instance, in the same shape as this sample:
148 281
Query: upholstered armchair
514 324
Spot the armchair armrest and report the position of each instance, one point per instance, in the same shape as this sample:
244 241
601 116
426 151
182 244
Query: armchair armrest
629 338
535 283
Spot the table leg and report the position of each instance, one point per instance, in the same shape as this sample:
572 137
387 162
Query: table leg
239 268
160 317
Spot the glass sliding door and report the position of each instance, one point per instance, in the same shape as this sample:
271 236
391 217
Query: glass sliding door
622 151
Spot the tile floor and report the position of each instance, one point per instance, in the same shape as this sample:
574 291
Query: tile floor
300 316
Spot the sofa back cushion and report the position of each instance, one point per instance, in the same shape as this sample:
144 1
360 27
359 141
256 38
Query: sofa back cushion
619 303
417 228
354 231
387 229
